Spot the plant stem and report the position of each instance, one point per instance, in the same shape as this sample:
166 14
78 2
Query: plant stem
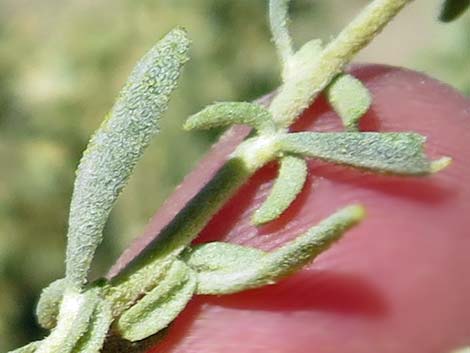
298 93
145 270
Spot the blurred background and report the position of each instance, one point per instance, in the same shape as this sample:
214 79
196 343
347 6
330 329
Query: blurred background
61 66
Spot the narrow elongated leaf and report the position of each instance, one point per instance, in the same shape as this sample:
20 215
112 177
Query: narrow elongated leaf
218 256
76 311
49 304
390 153
289 183
303 249
92 341
452 9
116 147
258 268
229 113
160 307
350 99
221 261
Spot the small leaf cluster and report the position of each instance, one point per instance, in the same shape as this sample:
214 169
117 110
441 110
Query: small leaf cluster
83 315
386 153
146 297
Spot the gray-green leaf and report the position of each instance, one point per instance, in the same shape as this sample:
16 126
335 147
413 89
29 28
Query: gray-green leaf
389 153
75 314
250 268
289 183
93 339
302 61
228 113
452 9
218 265
303 249
157 309
350 99
117 146
219 256
278 20
49 304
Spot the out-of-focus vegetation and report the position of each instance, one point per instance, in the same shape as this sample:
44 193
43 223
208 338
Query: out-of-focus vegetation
62 64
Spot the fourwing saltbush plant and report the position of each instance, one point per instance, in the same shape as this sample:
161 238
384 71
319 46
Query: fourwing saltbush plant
131 310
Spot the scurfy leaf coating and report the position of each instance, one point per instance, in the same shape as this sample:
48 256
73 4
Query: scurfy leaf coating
98 326
298 94
48 305
388 153
269 267
142 300
207 257
80 317
278 20
230 113
289 183
350 99
117 146
161 306
74 316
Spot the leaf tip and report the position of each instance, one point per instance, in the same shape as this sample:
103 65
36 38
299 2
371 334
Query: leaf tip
188 124
181 33
356 212
440 164
288 185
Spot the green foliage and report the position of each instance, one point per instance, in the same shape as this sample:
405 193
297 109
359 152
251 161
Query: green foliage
304 248
159 307
48 305
80 322
50 98
116 147
205 258
226 114
279 17
75 314
225 269
389 153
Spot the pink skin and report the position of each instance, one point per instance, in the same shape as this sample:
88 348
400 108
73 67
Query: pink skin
397 283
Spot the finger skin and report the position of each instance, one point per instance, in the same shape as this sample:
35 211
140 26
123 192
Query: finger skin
397 283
